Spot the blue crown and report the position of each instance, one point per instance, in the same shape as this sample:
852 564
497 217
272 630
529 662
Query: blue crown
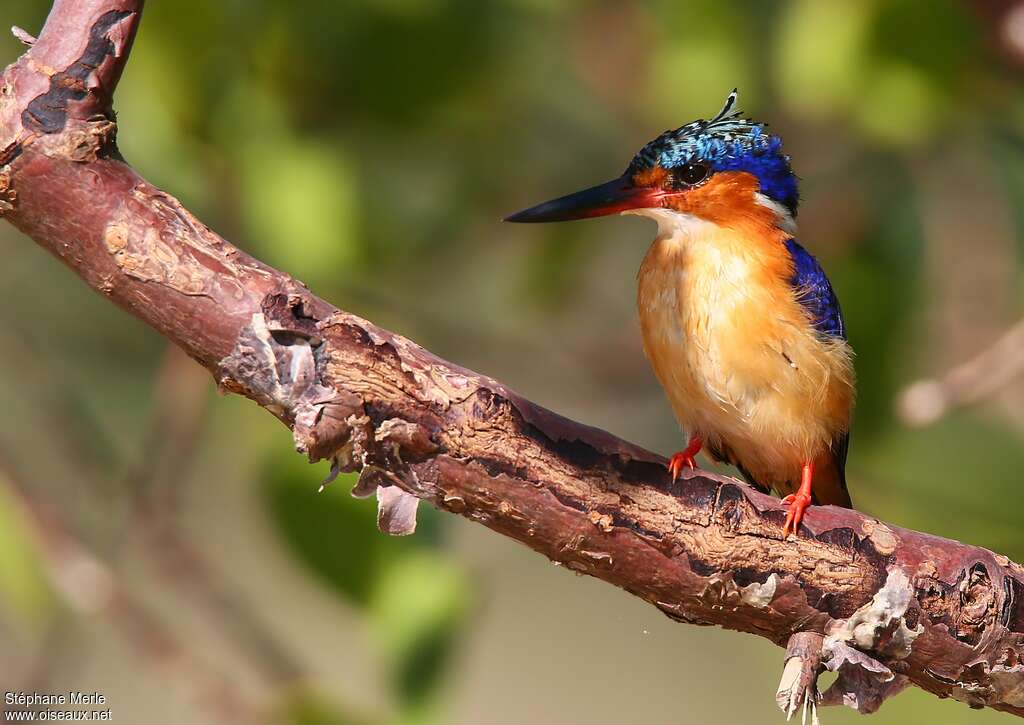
727 142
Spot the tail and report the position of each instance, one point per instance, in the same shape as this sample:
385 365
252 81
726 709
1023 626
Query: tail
830 476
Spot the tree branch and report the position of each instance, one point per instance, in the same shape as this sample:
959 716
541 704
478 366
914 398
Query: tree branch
981 377
889 605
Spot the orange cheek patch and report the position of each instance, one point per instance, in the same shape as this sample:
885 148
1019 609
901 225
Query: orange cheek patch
726 199
656 176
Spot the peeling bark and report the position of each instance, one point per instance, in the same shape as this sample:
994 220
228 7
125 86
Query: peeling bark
886 606
798 688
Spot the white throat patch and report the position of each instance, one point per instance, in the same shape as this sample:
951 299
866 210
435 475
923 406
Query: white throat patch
675 224
783 219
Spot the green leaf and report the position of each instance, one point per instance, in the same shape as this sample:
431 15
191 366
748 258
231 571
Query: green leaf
302 706
334 534
22 585
419 608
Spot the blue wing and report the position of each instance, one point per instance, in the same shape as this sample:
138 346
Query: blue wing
815 292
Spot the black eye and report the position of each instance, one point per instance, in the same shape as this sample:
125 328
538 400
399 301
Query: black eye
690 174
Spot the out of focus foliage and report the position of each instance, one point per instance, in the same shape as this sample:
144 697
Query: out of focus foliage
370 148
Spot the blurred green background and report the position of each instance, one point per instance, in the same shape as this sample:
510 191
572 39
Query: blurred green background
164 545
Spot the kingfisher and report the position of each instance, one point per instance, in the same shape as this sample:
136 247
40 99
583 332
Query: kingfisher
739 321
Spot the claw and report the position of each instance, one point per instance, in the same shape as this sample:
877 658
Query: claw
678 461
798 502
797 505
685 458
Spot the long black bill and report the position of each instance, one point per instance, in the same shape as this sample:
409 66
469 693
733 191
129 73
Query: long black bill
612 197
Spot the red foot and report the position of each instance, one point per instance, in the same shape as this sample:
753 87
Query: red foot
798 502
685 458
678 461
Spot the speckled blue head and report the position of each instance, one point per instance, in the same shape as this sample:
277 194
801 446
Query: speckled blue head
725 143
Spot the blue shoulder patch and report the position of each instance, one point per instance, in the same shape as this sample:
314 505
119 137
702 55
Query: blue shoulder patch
815 291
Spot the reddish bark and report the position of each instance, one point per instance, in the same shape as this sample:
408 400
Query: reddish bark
890 603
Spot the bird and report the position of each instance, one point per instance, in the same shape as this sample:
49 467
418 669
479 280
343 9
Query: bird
739 321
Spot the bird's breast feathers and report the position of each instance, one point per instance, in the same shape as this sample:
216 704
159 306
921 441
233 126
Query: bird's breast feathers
740 356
